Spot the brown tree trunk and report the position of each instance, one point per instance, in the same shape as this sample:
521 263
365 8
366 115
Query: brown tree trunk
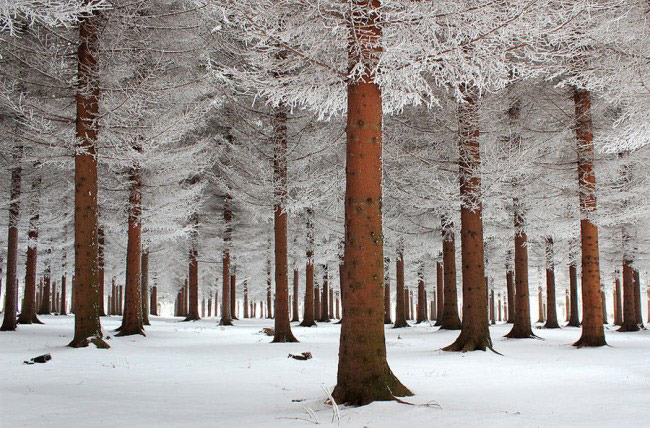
308 314
492 317
246 308
401 296
9 321
637 299
449 314
387 319
618 309
28 312
269 292
132 316
475 333
439 295
45 296
510 289
154 300
338 310
100 262
226 318
522 325
64 295
551 310
193 274
499 315
296 310
593 333
317 304
363 372
629 307
422 300
540 304
144 283
602 296
324 309
86 278
574 318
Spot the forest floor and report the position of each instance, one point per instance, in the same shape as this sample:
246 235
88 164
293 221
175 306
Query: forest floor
198 374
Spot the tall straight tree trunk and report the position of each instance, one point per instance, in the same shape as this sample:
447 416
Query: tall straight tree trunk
574 318
9 321
540 303
28 311
296 310
551 311
282 323
246 308
269 293
422 299
45 296
308 314
193 273
522 325
86 278
387 319
618 316
324 301
491 300
226 318
132 316
64 295
144 283
363 372
510 289
602 296
593 333
233 293
637 298
154 300
100 261
475 333
439 295
629 307
450 317
401 296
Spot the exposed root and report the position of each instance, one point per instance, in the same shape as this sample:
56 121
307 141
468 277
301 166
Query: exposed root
585 342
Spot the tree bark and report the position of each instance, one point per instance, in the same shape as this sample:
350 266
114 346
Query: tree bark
422 300
618 310
401 297
637 299
132 315
522 325
246 308
439 295
86 278
296 310
154 300
282 323
475 334
193 273
574 318
551 310
593 333
100 262
46 295
308 314
629 307
144 282
64 295
28 312
324 301
363 372
387 319
9 321
510 289
450 317
226 318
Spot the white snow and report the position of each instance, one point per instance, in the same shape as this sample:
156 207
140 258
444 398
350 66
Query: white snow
201 375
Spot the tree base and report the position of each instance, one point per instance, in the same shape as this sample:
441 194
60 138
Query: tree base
378 388
225 322
628 328
324 320
521 333
465 343
573 324
284 338
588 341
190 318
551 325
131 331
7 328
83 343
307 324
401 324
34 320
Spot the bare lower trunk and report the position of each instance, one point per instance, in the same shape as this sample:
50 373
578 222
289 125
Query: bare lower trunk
593 333
246 308
28 311
637 299
193 275
618 310
9 320
422 300
387 319
475 334
439 295
226 318
629 307
363 372
324 301
551 311
44 308
295 311
450 317
401 296
144 282
308 315
574 318
100 261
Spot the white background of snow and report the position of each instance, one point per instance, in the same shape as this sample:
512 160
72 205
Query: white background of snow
201 375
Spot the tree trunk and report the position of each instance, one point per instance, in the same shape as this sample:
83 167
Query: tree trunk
86 278
602 296
296 310
308 315
64 295
618 310
450 317
422 300
629 307
439 296
193 273
28 312
540 303
9 321
637 299
387 319
246 308
100 262
338 310
132 318
551 310
317 304
45 296
522 325
324 309
510 289
492 316
226 318
401 296
574 318
154 300
593 333
269 293
363 372
144 283
475 333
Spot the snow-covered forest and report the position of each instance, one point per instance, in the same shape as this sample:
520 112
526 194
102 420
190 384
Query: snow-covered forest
192 190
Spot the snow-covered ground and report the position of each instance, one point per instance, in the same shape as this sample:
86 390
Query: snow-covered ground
201 375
